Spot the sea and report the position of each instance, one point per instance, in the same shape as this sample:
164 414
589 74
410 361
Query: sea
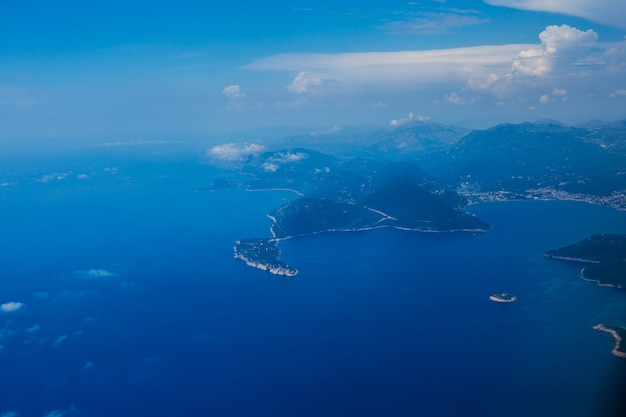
120 296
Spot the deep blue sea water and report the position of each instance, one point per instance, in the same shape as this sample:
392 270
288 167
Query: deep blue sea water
134 306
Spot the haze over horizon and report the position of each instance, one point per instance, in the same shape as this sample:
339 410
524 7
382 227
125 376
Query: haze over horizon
154 70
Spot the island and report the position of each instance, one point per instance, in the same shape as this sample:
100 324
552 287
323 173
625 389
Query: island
502 298
604 256
618 334
263 254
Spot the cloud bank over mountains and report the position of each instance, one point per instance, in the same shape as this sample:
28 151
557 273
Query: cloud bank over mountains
567 59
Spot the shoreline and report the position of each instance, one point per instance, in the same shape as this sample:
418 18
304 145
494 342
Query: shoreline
364 229
568 258
618 339
597 281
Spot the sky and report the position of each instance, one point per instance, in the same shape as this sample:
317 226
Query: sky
164 69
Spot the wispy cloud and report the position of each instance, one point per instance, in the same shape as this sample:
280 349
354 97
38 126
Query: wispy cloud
397 68
10 414
436 22
619 93
94 273
59 341
32 329
608 12
11 306
61 413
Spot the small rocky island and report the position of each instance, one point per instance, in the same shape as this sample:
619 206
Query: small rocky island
502 298
604 256
263 254
618 333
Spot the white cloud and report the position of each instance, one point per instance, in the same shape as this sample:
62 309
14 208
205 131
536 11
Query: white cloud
619 93
11 306
233 92
269 167
410 117
94 273
305 82
396 68
58 341
513 75
556 94
234 152
10 414
545 99
235 97
609 12
435 23
61 413
50 177
42 294
555 41
33 328
286 157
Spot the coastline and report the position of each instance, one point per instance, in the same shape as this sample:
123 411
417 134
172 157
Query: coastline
597 281
618 339
568 258
274 267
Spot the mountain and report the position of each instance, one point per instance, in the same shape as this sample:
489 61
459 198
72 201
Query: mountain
414 140
356 194
521 157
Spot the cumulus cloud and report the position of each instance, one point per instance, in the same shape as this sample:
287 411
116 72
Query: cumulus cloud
11 306
410 117
608 12
234 152
235 97
51 177
558 43
233 92
269 167
94 273
305 82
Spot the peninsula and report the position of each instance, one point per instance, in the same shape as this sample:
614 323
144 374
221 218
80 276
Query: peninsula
604 256
357 194
263 254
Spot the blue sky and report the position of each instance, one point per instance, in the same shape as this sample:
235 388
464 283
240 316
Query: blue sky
162 69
